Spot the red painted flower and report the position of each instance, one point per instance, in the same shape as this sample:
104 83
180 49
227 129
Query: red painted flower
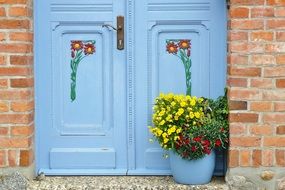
218 142
186 141
193 148
172 48
89 49
184 44
76 45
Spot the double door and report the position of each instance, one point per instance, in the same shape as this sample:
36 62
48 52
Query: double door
99 66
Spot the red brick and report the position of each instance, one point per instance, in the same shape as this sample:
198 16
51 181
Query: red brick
12 158
274 72
263 59
279 106
262 12
22 130
22 106
261 106
12 2
237 128
261 130
256 158
245 158
21 36
280 59
280 83
237 36
275 24
267 157
14 24
233 158
276 2
2 11
244 94
280 12
245 72
4 107
261 36
16 118
15 95
280 130
237 82
247 2
239 12
273 95
243 117
280 157
275 48
19 11
14 142
2 158
26 157
261 83
245 141
15 71
4 131
274 141
16 48
237 59
246 24
280 36
274 118
237 105
21 60
22 82
3 83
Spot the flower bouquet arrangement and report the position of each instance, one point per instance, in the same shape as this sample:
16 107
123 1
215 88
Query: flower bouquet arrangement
191 129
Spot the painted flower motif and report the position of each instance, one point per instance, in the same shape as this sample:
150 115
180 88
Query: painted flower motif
218 142
76 45
89 49
172 48
184 44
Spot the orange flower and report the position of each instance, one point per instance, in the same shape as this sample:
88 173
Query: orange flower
89 49
76 45
184 44
172 47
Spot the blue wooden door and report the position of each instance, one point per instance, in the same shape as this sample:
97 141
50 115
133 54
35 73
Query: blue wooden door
94 102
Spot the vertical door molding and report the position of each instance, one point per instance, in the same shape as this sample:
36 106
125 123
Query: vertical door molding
131 107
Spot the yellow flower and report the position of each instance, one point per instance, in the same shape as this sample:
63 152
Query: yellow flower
159 132
193 102
178 130
191 114
162 122
173 103
176 138
183 104
197 115
169 118
161 113
200 100
165 140
176 117
164 135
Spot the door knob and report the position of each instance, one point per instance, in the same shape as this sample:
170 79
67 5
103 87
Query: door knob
120 31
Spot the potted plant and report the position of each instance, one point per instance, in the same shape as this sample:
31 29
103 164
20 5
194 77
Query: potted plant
190 128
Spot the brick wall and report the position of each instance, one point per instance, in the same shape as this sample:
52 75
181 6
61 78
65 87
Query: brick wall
16 83
256 77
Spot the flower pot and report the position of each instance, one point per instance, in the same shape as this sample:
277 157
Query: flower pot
192 172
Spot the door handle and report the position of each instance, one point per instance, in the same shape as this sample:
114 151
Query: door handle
120 31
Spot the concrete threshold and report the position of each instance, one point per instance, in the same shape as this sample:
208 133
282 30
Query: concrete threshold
120 183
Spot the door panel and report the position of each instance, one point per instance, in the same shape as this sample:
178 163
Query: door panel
81 92
203 23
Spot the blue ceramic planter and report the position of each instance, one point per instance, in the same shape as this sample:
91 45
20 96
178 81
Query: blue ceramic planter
194 172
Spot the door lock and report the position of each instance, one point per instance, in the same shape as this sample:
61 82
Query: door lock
120 31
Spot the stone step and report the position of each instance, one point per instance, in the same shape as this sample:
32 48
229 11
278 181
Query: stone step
120 183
